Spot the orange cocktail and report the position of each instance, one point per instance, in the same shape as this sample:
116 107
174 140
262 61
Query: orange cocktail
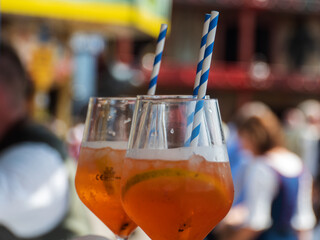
184 199
98 184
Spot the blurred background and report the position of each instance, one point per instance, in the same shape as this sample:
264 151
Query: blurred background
265 50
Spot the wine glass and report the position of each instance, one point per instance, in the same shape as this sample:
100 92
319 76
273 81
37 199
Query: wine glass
175 191
100 162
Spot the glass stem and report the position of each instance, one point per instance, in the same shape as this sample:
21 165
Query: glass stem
120 238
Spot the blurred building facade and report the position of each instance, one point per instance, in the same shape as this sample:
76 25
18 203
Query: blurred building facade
267 50
264 50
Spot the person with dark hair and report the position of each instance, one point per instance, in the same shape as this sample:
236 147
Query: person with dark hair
277 204
34 180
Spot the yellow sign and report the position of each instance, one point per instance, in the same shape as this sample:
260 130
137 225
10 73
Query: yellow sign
145 15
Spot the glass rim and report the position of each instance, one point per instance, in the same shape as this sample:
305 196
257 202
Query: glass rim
145 96
172 99
112 98
167 96
152 99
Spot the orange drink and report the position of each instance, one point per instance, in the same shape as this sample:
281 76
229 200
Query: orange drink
175 186
98 184
184 198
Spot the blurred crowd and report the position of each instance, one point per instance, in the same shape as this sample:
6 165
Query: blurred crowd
275 164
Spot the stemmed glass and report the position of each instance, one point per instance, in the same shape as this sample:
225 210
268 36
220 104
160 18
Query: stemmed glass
100 162
175 191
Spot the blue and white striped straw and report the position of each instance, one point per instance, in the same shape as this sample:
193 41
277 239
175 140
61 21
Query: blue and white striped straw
204 77
157 59
198 75
201 53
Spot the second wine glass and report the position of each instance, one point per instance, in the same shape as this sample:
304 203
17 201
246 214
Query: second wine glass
100 162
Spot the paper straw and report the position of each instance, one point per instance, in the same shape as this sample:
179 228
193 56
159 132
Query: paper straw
198 75
204 78
201 53
157 59
155 71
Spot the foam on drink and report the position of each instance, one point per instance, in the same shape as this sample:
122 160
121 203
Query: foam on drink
121 145
211 154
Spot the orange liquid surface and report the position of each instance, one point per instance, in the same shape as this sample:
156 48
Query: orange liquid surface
98 186
183 203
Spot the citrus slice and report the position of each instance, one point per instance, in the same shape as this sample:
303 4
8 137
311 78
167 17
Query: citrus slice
167 172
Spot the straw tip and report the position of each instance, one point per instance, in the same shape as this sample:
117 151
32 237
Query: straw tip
214 13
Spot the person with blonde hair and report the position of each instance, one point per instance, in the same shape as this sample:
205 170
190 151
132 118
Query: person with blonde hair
277 203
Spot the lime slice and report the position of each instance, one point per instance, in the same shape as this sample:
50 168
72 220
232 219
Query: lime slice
167 172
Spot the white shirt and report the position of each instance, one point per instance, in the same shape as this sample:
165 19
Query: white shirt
33 189
262 187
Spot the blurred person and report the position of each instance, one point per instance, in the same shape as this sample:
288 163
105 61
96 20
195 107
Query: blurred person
294 123
302 135
35 199
239 158
309 141
311 135
277 204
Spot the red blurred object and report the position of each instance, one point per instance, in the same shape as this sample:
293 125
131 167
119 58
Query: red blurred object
235 76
